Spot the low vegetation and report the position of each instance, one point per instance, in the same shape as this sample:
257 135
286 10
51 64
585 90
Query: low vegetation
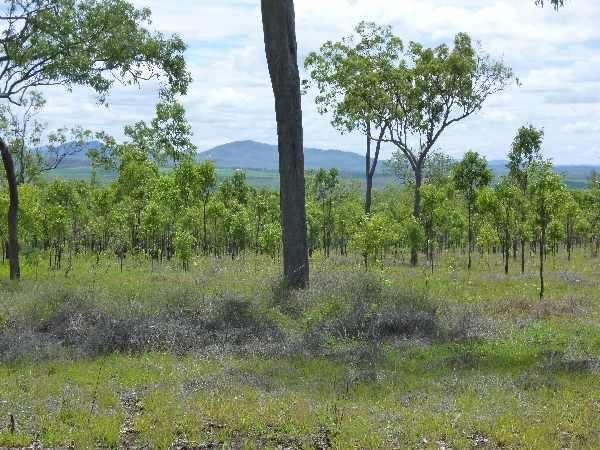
394 358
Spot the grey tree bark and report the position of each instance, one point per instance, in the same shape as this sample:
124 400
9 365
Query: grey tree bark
279 28
13 209
414 251
371 165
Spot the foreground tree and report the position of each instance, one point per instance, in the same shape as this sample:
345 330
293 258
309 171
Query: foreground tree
349 76
12 216
281 49
434 90
470 175
89 43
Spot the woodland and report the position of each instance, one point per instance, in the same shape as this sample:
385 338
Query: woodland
171 307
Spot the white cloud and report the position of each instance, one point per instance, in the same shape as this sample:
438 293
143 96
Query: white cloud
556 56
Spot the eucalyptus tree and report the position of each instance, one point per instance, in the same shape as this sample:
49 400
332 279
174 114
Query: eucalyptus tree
371 236
326 190
434 210
525 151
547 194
432 90
471 174
12 212
572 217
92 43
184 244
207 181
279 29
349 77
502 205
270 239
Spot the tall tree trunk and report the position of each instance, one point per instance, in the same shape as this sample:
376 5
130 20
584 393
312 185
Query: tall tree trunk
281 49
13 209
414 251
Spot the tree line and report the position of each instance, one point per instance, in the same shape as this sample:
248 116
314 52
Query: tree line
409 96
159 215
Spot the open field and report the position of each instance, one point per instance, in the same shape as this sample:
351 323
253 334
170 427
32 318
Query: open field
219 358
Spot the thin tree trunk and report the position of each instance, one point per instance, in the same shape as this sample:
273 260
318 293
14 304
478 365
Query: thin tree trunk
368 173
522 255
414 251
470 238
542 258
371 165
204 233
13 209
506 252
281 50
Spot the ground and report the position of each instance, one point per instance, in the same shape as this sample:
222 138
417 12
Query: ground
219 357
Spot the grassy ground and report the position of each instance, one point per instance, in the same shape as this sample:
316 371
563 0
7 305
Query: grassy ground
474 361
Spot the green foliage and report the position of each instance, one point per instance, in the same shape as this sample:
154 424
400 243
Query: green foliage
470 175
349 76
371 237
526 149
85 42
184 245
437 169
270 239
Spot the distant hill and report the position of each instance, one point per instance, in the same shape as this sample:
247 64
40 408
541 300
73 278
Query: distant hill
261 163
78 153
255 155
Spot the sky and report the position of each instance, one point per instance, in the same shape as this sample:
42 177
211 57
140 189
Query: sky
556 56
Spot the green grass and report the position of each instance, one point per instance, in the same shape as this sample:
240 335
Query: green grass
527 381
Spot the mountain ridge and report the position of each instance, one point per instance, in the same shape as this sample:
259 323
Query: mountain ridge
257 155
261 157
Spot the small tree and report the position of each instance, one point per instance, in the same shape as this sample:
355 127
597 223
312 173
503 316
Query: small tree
270 239
325 185
371 236
503 205
487 237
525 151
471 174
207 181
184 248
546 191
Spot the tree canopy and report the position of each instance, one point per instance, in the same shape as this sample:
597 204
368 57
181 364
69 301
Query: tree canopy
92 43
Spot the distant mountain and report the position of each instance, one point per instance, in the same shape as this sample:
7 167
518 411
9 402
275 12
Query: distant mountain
261 160
77 153
255 155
